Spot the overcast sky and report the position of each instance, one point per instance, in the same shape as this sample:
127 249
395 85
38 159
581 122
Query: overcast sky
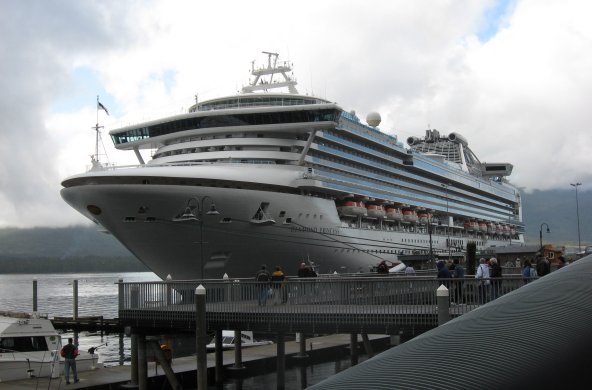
513 77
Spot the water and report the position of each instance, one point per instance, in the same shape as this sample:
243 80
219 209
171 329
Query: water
98 295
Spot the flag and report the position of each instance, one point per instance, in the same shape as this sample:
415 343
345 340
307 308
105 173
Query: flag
102 107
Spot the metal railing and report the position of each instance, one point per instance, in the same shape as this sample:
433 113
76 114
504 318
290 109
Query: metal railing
301 304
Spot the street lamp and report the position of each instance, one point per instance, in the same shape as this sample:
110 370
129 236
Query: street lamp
541 235
445 186
577 214
189 216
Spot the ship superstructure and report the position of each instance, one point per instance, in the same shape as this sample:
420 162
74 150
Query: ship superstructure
277 177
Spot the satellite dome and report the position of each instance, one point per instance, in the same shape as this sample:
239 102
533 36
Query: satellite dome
373 119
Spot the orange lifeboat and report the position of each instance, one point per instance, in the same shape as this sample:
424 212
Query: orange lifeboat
351 207
375 211
410 216
512 230
483 227
506 231
471 225
394 213
499 229
424 217
491 228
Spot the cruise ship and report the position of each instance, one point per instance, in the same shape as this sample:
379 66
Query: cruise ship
271 176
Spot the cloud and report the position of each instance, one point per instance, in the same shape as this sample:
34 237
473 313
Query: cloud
512 77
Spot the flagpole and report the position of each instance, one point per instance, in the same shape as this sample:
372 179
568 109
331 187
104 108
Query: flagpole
97 133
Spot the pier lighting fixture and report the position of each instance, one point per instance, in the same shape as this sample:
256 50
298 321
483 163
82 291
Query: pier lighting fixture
541 235
575 185
196 204
445 186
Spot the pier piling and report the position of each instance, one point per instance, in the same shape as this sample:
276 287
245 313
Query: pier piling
443 305
201 335
34 295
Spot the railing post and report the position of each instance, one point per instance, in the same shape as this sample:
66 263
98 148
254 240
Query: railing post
442 294
200 331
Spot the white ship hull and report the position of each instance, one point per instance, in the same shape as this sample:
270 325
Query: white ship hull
303 227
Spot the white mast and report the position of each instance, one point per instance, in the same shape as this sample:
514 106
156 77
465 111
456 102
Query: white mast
272 68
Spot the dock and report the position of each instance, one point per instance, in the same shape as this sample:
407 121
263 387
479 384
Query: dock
185 367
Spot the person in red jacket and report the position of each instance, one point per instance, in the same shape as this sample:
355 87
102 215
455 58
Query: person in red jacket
69 353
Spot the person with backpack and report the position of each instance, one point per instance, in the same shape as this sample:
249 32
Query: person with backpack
528 272
277 282
262 277
69 353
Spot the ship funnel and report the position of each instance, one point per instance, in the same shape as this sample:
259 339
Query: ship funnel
455 137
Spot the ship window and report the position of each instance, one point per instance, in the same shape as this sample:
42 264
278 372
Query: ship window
226 220
150 219
288 220
282 213
129 219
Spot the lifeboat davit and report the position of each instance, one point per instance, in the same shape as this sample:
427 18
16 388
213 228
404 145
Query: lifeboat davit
375 211
410 216
351 207
394 213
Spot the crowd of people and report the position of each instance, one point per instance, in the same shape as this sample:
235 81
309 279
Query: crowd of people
489 276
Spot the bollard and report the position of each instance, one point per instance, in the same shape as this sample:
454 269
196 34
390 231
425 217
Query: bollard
34 295
200 335
75 299
301 340
443 305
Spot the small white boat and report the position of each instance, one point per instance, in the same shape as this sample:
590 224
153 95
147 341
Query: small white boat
247 340
30 347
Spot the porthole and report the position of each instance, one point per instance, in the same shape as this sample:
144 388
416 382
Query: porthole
95 210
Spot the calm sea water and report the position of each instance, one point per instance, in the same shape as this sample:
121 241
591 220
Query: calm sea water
97 295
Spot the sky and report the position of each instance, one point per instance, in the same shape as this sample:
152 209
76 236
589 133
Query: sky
513 77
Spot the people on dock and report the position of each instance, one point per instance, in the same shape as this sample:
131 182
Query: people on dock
496 278
458 274
69 352
306 271
562 263
483 275
543 266
277 282
443 274
263 278
528 272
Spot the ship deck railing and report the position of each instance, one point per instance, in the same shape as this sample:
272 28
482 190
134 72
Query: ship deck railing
384 305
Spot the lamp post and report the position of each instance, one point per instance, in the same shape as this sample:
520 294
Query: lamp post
189 215
576 185
541 235
445 186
